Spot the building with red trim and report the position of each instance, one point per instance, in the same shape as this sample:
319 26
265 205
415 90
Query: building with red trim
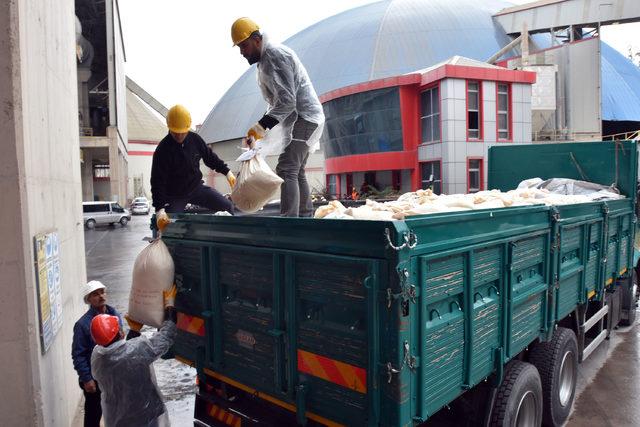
427 129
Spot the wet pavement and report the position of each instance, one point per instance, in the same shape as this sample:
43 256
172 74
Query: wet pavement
110 254
608 382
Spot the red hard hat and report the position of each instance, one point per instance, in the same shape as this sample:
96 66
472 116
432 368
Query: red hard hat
104 328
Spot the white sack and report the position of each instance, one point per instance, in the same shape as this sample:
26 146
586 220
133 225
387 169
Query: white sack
257 184
153 273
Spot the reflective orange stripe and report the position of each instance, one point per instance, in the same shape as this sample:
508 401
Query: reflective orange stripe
191 324
220 414
333 371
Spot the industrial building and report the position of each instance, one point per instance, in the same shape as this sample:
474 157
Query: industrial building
583 89
102 109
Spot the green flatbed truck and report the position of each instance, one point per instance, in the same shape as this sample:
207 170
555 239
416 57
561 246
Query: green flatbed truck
384 323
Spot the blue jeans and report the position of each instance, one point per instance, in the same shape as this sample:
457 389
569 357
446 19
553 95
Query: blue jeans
203 196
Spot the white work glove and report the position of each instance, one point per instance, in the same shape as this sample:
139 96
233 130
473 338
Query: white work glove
231 179
256 132
162 220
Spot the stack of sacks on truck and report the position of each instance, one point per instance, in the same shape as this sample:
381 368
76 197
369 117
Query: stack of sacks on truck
423 202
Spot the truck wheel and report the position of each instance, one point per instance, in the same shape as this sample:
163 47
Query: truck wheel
518 401
91 224
629 300
557 363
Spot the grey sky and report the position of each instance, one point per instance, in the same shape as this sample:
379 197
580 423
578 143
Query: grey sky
180 51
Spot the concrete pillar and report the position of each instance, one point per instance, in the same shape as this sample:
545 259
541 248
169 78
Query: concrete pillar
41 190
87 175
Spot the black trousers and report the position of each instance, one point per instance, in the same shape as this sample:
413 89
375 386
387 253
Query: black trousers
203 196
92 408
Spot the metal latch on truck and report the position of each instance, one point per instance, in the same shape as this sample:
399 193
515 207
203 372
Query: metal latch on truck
408 360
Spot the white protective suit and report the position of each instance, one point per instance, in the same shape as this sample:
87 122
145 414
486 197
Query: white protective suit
288 91
130 396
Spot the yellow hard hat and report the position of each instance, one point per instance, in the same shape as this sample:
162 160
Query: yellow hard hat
242 29
179 119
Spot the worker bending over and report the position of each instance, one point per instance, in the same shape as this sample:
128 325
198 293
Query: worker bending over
292 104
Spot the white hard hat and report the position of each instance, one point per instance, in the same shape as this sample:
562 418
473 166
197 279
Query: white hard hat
93 285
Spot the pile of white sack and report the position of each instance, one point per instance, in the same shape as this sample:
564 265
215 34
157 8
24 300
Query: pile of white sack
421 202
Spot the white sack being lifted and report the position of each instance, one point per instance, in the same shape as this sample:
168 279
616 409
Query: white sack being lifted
152 273
553 192
257 184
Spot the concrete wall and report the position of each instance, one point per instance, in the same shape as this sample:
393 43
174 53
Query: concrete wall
40 184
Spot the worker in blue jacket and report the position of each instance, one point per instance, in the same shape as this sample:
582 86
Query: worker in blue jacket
96 297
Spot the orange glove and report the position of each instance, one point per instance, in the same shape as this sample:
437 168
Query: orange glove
170 296
256 132
162 220
133 325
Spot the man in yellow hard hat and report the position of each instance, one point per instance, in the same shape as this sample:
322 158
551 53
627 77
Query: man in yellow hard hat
293 106
176 178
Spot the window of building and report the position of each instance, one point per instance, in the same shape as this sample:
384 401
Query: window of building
332 185
503 103
430 176
363 123
474 110
474 175
349 180
396 180
430 115
101 172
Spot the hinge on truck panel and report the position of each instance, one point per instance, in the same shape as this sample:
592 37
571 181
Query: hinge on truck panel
408 360
408 291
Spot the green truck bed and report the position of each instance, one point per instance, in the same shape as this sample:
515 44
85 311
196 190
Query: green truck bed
384 323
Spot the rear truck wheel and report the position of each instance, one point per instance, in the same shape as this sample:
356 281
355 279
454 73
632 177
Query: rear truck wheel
124 221
91 224
518 401
557 364
630 300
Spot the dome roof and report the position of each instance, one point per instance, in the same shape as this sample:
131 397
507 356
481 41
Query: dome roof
378 40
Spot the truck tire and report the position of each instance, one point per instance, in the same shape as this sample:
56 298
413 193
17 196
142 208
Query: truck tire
90 224
518 401
557 363
629 300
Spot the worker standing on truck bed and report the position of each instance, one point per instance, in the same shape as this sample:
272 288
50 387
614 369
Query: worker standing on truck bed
130 396
176 178
293 105
95 295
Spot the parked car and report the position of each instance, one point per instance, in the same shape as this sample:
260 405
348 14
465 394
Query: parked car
96 213
140 205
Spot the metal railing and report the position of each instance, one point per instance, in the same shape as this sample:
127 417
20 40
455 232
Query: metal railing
633 135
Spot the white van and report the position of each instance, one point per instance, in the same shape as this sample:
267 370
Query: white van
96 213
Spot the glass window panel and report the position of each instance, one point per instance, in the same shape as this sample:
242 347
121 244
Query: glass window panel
435 101
502 121
502 102
473 120
503 134
502 88
474 181
436 128
473 101
363 123
428 130
473 86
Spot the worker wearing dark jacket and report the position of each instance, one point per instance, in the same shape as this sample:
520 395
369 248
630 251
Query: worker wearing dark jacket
82 346
176 178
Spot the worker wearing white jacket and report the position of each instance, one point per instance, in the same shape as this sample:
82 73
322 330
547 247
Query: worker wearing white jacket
123 369
294 120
